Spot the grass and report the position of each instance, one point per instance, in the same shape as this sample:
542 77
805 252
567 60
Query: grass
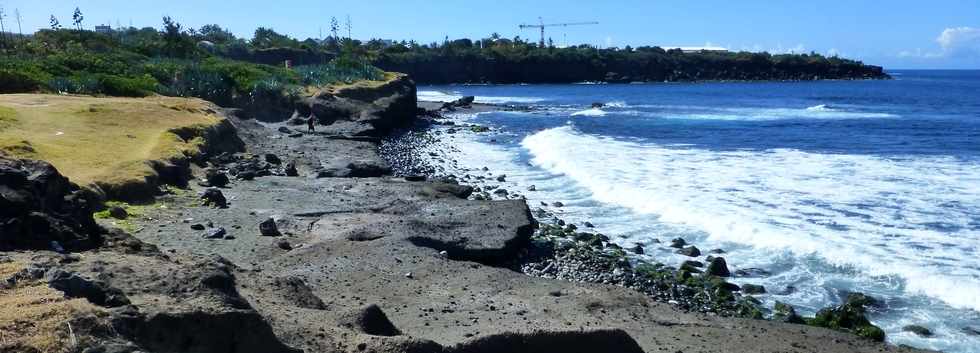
339 87
133 211
104 142
35 317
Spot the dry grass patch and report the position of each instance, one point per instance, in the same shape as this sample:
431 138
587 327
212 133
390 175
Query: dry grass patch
103 140
35 317
338 88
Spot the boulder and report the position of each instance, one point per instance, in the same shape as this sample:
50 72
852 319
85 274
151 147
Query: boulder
783 312
75 286
285 130
118 212
851 316
272 159
369 320
638 249
678 243
214 198
215 178
268 228
918 330
753 289
691 251
40 207
718 267
290 169
215 233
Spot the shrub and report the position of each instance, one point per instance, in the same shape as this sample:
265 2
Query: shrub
140 86
17 82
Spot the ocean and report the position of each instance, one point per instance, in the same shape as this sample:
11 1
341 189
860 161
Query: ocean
829 187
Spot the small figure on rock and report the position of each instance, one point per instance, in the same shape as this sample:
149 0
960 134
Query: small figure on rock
311 123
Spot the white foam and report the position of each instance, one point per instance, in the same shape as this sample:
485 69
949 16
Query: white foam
437 96
820 108
506 100
590 112
853 211
443 97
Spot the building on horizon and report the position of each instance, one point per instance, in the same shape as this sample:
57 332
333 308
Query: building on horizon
691 50
104 29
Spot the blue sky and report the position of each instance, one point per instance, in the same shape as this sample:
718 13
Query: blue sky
896 34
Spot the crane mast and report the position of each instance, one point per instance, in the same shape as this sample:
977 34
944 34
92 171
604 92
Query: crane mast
541 26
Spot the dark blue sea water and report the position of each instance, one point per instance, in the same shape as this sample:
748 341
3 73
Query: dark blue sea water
833 186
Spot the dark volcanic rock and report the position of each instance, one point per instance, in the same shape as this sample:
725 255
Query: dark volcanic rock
268 228
918 330
118 212
290 169
272 159
609 340
75 286
370 320
718 267
691 251
678 243
850 317
753 289
39 208
214 177
214 198
215 233
783 312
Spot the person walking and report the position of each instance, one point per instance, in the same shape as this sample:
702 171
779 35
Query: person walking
311 123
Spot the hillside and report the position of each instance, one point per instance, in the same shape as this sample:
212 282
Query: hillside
504 61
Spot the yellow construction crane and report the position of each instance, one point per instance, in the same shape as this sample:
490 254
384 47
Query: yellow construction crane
541 25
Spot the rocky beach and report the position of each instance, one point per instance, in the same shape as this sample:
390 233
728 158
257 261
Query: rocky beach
347 240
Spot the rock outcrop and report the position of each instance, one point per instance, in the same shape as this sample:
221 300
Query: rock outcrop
363 109
42 209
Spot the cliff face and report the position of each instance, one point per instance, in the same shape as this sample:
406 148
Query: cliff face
622 67
366 108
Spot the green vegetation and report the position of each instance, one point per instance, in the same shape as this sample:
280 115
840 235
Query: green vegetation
502 60
211 64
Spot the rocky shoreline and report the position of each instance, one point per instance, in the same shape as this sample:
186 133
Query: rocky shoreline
567 251
307 242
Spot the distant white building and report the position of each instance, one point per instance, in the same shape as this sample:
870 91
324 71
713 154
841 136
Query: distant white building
698 49
104 29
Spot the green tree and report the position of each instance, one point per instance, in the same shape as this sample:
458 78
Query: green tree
77 18
215 34
176 42
55 25
265 38
334 26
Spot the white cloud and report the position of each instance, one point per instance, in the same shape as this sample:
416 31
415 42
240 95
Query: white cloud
960 41
953 42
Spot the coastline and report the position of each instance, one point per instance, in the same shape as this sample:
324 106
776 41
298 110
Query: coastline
313 246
